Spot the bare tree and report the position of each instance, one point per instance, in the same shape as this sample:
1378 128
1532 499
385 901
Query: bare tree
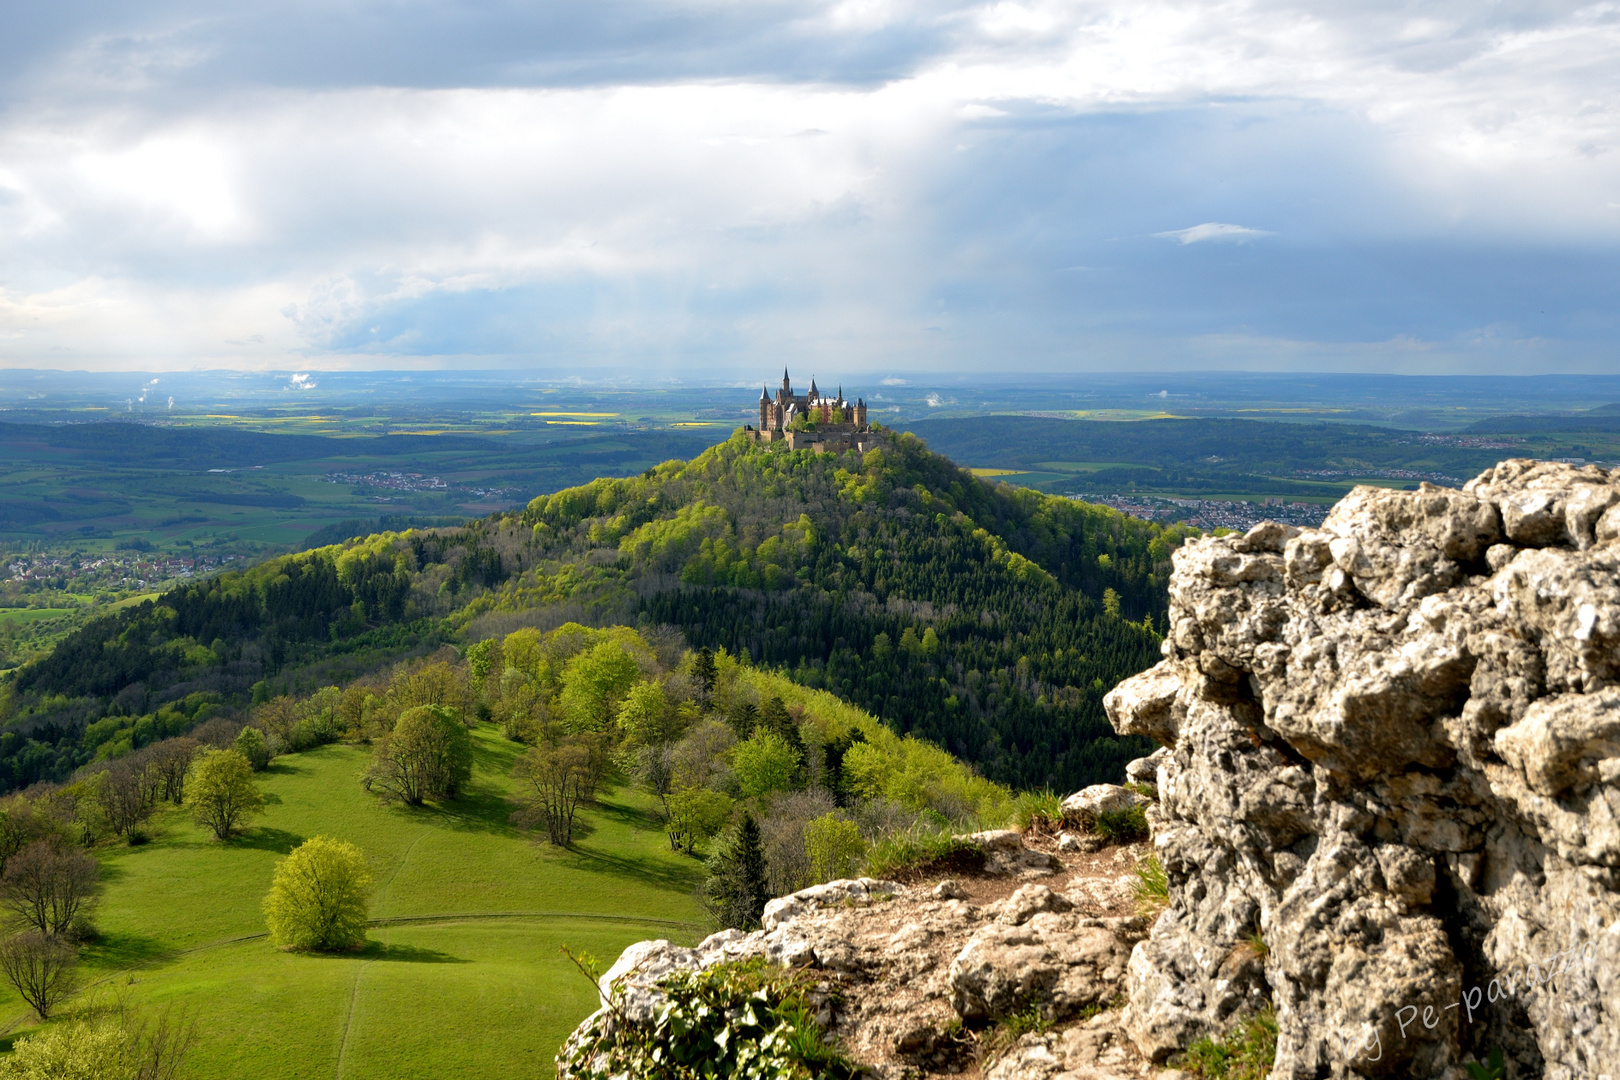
48 883
126 798
160 1046
40 968
169 761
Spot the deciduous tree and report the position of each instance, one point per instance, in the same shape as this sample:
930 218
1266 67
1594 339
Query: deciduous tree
170 761
47 884
222 792
557 779
40 968
764 763
126 793
318 897
695 814
427 755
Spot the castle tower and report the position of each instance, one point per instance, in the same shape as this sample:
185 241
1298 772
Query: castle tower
764 409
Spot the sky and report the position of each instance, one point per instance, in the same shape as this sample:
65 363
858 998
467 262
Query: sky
681 190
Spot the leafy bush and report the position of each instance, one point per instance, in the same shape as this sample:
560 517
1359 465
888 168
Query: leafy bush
104 1045
252 745
1244 1053
731 1020
765 763
835 847
917 854
318 897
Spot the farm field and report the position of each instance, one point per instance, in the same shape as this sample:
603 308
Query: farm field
469 919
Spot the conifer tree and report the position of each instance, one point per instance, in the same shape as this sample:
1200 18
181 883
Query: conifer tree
737 889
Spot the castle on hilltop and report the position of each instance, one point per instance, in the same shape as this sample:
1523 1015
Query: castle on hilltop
812 420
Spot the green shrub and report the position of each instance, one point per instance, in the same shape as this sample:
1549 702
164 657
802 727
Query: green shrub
732 1020
915 855
1492 1069
1121 826
764 763
114 1044
835 847
1245 1053
252 745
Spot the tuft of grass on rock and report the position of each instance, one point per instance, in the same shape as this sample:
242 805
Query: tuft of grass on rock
1246 1052
1121 826
1152 886
999 1038
914 855
1038 811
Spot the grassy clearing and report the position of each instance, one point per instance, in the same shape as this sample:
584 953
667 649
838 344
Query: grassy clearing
473 915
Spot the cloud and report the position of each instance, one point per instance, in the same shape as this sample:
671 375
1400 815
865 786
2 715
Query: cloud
1213 230
684 186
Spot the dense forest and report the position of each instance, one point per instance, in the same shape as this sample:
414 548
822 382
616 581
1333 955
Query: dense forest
987 619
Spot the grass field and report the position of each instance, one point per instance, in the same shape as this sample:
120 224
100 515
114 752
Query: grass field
464 974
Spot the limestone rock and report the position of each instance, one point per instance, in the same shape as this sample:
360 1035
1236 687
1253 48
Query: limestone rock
1056 961
1083 806
1390 787
1006 856
844 891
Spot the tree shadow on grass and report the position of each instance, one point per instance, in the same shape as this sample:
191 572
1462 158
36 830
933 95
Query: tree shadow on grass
656 872
479 808
265 838
406 954
116 952
636 817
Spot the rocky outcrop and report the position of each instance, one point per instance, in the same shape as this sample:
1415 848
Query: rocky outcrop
902 970
1389 802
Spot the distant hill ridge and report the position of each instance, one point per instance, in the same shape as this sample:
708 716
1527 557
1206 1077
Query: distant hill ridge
987 619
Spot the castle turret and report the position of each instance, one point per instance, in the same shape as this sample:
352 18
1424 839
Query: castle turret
764 409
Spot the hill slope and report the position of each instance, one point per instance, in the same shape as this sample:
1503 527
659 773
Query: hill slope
469 917
988 619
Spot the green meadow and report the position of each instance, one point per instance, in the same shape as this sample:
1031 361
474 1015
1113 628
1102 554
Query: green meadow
464 974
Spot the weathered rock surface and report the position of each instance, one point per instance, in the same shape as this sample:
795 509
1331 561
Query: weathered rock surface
903 967
1394 755
1083 806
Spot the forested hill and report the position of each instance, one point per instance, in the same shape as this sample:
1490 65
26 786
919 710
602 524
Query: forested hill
988 619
